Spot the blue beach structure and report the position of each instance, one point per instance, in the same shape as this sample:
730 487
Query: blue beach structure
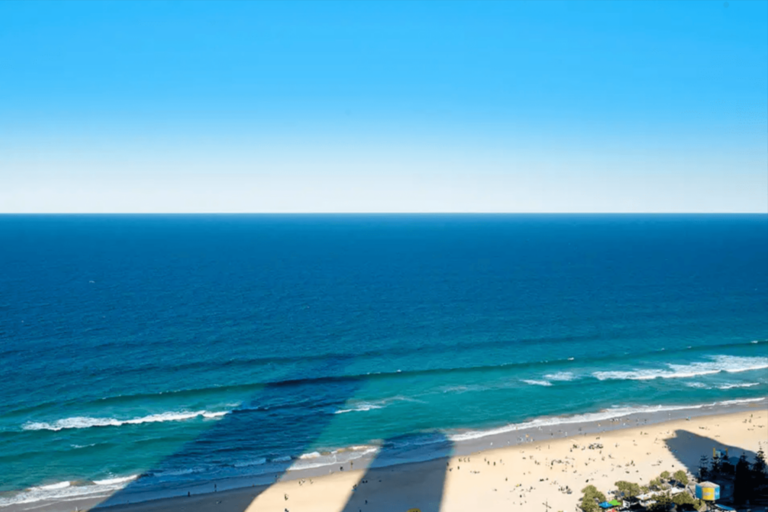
707 491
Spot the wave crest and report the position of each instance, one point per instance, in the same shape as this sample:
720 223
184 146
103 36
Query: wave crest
729 364
88 422
536 382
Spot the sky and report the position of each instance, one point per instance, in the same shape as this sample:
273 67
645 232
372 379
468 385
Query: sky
161 107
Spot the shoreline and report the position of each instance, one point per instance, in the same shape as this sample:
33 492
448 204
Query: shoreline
416 460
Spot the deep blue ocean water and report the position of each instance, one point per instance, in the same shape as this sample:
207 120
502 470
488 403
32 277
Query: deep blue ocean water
196 347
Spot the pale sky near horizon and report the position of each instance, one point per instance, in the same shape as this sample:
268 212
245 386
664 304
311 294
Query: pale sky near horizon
383 106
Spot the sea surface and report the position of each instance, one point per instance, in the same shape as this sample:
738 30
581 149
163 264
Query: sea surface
191 348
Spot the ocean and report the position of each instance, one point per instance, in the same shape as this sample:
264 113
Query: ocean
159 350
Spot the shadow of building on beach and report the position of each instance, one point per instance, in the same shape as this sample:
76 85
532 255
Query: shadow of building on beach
422 490
688 447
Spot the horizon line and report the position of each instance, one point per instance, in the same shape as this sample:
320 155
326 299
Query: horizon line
383 213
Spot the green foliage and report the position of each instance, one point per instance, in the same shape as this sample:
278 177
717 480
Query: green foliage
655 484
591 498
703 467
665 475
588 505
663 503
628 489
715 465
726 468
759 474
683 498
592 492
685 501
742 484
681 477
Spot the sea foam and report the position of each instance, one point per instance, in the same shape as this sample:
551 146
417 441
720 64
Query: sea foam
88 422
536 382
729 364
376 404
561 376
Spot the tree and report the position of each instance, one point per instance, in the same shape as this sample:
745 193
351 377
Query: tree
588 505
663 503
759 468
681 476
742 485
628 489
655 484
715 466
726 468
592 492
685 501
664 475
591 498
703 467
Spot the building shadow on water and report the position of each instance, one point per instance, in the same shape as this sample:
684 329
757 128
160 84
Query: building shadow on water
277 417
282 418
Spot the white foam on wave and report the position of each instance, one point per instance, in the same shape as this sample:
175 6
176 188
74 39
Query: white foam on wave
51 487
88 422
341 456
253 462
701 385
729 364
561 376
119 480
360 408
376 404
740 401
607 414
536 382
465 388
742 385
67 491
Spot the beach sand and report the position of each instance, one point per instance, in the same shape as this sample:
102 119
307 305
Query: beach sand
523 477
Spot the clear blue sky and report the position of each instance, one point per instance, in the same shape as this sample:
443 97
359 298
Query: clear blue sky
384 106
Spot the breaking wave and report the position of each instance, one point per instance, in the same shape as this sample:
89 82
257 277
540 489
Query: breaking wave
88 422
729 364
536 382
376 404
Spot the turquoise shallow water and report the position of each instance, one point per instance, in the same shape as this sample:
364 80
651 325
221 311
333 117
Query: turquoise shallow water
195 347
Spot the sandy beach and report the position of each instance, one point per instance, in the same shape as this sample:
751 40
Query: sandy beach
530 476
